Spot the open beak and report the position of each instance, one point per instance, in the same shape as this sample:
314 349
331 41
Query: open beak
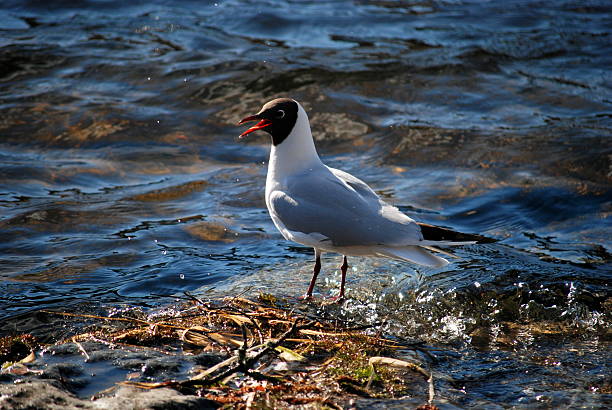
263 123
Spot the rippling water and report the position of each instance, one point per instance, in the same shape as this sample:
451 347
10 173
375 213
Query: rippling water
121 177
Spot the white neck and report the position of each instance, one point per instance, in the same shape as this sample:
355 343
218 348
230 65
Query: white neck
296 153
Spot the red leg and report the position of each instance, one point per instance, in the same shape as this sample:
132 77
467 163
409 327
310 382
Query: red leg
343 269
315 273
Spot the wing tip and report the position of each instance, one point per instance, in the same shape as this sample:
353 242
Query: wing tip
440 234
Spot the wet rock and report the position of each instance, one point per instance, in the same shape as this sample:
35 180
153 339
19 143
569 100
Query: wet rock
109 355
63 349
161 367
71 375
208 359
45 394
131 398
38 395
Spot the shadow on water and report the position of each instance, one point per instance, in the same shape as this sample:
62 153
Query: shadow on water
122 181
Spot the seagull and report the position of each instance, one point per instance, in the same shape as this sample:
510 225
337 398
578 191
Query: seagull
331 210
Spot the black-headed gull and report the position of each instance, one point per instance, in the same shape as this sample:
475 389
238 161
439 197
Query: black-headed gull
331 210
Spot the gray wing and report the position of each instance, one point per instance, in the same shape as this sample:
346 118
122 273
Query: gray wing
343 209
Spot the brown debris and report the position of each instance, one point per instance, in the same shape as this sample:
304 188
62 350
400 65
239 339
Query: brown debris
276 357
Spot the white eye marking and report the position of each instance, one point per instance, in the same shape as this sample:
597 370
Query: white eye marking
280 114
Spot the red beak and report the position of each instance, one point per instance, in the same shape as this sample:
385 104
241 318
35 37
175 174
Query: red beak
261 124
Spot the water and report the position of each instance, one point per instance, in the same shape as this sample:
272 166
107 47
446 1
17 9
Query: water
122 180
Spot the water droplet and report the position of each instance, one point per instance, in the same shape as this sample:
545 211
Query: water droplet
148 78
182 276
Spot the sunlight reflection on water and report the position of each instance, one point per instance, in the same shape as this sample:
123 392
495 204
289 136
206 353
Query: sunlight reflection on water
122 180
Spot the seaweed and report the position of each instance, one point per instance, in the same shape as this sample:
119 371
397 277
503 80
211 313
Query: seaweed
271 355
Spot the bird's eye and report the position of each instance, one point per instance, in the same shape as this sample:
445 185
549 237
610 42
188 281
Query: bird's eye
280 114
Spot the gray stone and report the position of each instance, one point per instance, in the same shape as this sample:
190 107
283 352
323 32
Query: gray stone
126 397
33 395
48 395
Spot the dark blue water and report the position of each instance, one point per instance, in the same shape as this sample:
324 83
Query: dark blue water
122 180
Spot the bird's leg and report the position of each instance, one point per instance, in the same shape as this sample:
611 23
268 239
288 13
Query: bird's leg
343 269
315 273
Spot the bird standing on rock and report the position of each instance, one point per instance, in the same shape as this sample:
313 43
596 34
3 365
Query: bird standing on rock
331 210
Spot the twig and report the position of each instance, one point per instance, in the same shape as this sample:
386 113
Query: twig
248 362
81 348
193 298
221 365
241 312
431 388
243 349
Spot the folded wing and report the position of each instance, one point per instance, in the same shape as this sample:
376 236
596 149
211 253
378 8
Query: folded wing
342 209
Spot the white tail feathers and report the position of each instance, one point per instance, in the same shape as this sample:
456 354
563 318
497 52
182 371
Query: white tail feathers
414 254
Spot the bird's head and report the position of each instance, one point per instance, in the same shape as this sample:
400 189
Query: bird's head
277 118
